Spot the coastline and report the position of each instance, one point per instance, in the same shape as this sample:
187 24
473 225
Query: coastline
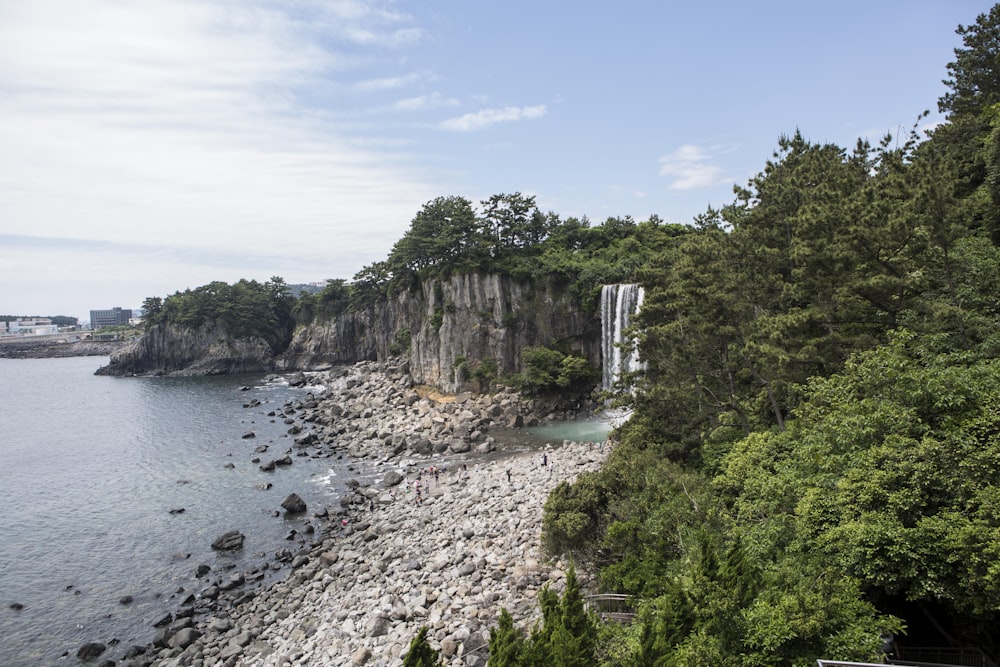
374 570
25 348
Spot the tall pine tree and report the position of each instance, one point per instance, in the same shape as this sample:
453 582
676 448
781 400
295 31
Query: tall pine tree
421 654
506 643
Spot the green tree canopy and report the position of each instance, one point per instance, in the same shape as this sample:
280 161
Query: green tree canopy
974 76
245 309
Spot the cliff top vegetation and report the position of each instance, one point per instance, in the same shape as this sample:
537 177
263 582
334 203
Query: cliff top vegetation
245 309
508 235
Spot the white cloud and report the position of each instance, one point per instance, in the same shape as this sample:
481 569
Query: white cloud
186 125
425 102
361 22
390 38
691 167
486 117
389 83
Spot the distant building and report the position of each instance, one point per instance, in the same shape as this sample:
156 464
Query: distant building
114 317
33 327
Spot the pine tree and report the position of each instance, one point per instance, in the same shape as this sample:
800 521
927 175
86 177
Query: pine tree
421 654
567 650
975 73
707 565
577 621
738 575
506 643
538 648
667 626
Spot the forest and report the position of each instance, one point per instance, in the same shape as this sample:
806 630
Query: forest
813 460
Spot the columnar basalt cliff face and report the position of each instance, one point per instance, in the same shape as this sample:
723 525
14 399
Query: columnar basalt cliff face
207 350
447 328
451 327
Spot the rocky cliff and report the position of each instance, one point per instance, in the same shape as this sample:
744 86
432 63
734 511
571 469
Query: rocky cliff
451 327
206 350
447 328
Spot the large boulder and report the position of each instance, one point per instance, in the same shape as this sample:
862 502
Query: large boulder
378 626
90 650
184 638
293 504
231 541
459 445
306 439
392 478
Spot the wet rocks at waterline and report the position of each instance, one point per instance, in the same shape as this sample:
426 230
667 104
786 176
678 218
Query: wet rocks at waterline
432 538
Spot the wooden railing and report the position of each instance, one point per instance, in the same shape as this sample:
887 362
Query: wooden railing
967 656
611 606
932 656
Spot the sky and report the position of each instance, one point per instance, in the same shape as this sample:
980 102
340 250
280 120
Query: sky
151 146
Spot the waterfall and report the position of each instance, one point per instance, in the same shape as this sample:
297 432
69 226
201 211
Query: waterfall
619 303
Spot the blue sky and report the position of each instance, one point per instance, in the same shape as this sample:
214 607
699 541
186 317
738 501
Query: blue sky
154 145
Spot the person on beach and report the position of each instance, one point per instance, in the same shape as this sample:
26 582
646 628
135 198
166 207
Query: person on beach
508 475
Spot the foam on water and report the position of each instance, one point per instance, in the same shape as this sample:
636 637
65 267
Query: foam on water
92 467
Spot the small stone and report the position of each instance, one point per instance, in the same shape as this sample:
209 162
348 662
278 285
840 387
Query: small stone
360 656
165 620
230 541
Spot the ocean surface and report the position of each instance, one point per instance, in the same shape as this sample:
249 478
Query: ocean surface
90 468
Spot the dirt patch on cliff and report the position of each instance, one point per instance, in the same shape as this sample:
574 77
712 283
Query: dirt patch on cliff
433 394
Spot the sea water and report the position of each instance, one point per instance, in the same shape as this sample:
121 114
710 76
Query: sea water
90 469
580 430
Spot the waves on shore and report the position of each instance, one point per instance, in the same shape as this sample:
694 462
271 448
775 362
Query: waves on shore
442 532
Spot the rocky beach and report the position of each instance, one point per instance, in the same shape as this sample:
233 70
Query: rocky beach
441 528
